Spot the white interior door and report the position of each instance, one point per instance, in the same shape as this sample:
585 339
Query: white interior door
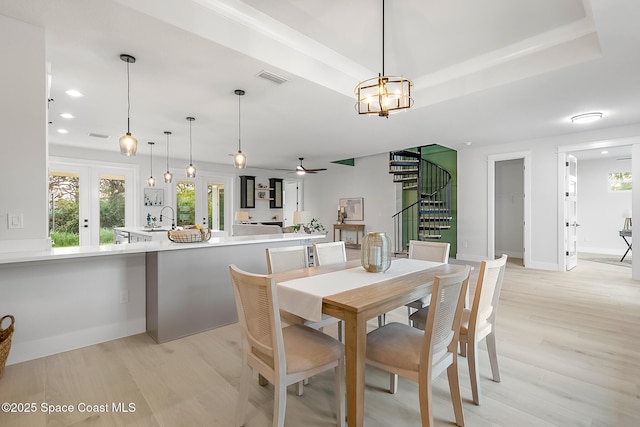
571 212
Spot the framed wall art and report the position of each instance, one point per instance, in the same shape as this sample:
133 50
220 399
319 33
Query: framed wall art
153 197
353 208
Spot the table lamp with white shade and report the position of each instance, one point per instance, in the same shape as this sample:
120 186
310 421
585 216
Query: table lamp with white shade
242 217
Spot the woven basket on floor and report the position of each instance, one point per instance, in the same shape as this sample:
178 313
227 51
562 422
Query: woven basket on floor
5 341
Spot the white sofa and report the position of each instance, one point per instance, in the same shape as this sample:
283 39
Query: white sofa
253 229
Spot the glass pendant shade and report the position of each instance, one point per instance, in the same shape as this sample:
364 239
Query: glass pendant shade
168 176
191 170
151 181
239 159
128 144
383 95
376 252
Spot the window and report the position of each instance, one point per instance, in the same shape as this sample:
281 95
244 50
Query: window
620 181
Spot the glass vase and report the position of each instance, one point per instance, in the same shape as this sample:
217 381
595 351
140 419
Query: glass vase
376 252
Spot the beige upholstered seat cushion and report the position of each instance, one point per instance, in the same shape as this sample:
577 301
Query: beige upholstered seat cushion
395 344
306 348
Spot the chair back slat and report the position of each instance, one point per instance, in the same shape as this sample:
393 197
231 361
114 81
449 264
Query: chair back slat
286 259
256 314
487 294
445 312
329 253
429 251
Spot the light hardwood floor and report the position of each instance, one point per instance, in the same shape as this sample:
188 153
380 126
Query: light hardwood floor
568 346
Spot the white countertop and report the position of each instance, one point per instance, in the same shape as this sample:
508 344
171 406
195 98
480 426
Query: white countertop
142 247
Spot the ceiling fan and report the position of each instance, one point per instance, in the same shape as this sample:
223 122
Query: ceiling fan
301 170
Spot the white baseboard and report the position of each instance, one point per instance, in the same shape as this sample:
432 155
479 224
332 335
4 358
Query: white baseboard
29 350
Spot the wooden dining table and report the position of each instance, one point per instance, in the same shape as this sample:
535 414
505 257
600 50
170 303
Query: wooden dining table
356 306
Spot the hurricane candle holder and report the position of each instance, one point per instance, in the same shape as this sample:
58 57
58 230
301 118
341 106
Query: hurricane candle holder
376 252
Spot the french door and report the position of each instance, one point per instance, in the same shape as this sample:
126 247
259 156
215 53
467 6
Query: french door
203 200
87 200
571 212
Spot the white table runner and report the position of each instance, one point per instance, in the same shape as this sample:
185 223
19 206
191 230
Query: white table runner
303 297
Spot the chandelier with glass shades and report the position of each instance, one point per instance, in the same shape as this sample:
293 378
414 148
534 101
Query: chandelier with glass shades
383 95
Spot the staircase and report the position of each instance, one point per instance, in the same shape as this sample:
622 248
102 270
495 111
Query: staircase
430 186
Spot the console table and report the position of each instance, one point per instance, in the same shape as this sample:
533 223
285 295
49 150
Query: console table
358 228
624 234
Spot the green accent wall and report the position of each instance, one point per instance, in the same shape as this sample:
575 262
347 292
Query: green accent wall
447 159
347 162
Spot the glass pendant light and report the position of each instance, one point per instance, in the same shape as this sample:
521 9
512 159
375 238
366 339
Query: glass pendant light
168 176
239 159
151 182
191 170
128 143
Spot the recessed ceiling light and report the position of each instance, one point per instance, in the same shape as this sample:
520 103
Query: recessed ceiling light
63 131
74 93
604 152
468 143
586 118
67 116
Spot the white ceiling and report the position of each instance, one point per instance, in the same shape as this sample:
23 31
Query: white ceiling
486 72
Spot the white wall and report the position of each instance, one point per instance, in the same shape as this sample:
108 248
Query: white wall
369 178
66 304
472 192
601 212
23 118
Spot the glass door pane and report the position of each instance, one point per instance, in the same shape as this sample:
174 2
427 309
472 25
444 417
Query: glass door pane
112 206
215 205
64 208
186 202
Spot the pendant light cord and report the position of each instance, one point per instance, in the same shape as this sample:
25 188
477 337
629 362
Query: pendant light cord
239 138
383 37
167 150
128 101
190 144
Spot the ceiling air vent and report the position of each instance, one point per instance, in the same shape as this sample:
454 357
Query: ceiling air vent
97 135
272 77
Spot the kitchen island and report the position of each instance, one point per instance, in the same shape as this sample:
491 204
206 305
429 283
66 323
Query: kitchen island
66 298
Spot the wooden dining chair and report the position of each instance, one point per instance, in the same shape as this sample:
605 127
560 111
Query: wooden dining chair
329 253
478 322
426 251
292 258
283 356
287 258
421 356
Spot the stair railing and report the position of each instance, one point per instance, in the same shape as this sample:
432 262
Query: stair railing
431 213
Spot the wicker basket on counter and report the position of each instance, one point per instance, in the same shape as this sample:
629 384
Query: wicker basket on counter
189 236
5 341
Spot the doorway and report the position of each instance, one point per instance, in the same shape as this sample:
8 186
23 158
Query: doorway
87 200
509 206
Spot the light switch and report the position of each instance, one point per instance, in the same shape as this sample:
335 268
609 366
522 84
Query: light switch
14 220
